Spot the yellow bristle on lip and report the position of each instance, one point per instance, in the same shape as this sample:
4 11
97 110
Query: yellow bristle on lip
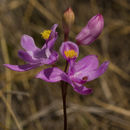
45 34
70 53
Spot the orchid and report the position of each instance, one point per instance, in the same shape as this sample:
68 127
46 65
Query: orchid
79 72
85 70
35 56
91 31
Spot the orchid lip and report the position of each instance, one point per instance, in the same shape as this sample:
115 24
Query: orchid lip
69 50
46 34
70 54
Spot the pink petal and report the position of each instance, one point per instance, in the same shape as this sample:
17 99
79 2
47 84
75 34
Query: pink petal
53 75
21 68
87 69
89 62
82 89
26 57
28 43
96 73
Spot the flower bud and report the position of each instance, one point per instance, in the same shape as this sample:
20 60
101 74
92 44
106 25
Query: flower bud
91 31
68 19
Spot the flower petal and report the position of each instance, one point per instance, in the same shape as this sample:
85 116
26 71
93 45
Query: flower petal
71 69
53 29
96 73
89 62
38 54
50 43
52 58
71 48
82 89
28 43
86 69
26 57
52 38
21 68
53 75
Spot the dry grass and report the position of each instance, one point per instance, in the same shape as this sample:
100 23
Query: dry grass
28 103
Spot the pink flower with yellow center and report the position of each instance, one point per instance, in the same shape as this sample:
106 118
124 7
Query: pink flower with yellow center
35 56
85 70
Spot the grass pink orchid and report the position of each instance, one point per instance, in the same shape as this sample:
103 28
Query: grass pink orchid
35 56
80 72
85 70
76 73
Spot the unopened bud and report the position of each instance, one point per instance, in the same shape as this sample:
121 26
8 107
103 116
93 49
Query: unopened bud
68 19
91 31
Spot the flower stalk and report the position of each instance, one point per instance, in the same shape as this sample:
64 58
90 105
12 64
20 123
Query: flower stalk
64 94
67 21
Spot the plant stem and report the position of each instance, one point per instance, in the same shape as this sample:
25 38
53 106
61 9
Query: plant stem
64 93
66 35
64 87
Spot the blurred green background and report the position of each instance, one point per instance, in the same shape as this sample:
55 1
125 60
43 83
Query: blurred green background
28 103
